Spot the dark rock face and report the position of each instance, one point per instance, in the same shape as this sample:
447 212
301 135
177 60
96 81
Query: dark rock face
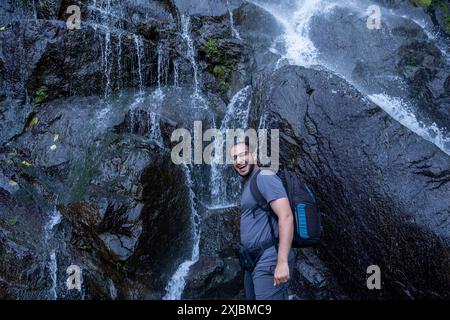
217 274
167 224
23 263
312 280
121 222
85 123
101 56
219 231
214 278
399 59
382 188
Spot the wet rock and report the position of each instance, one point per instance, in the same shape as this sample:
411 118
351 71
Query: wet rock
124 210
367 170
214 278
312 280
209 8
224 58
24 272
400 59
219 231
101 56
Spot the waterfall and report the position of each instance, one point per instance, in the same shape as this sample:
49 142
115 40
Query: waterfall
234 31
159 65
104 20
107 17
225 187
186 35
401 112
138 43
177 282
295 46
55 219
144 116
154 130
53 266
106 61
162 67
176 80
119 63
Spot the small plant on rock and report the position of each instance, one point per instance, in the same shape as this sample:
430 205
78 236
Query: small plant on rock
40 96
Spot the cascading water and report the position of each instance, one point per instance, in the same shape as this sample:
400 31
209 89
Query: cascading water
197 99
186 35
161 67
119 60
176 284
296 46
154 129
232 26
138 42
400 111
106 56
224 184
55 219
176 79
104 20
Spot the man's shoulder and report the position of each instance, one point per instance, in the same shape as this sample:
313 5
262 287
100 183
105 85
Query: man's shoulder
267 172
270 185
266 176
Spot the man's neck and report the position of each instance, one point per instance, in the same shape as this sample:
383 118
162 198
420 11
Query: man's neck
247 177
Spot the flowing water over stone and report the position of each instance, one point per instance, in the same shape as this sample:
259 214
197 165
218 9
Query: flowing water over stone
302 44
186 35
97 134
55 219
175 287
232 26
224 183
139 54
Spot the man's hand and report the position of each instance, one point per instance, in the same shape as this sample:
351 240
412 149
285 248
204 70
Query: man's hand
281 274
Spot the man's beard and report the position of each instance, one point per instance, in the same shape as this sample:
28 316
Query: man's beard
250 170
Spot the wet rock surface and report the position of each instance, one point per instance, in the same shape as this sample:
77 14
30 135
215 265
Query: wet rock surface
383 200
86 176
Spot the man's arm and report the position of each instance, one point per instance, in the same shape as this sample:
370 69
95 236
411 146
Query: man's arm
282 209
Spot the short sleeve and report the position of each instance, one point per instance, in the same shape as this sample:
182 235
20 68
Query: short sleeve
270 186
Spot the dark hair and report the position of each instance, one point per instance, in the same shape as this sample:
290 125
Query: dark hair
246 141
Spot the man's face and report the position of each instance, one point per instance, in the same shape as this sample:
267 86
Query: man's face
243 161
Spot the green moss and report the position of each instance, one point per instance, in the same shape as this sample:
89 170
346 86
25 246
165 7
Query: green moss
40 96
444 6
422 3
219 71
121 267
13 221
434 4
211 48
221 65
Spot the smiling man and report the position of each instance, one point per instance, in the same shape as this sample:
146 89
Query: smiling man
266 231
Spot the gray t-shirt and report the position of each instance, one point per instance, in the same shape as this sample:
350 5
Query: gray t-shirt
255 228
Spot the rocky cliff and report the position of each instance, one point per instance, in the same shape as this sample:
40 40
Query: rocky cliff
86 116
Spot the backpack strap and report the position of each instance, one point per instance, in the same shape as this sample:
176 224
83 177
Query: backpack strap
254 190
263 205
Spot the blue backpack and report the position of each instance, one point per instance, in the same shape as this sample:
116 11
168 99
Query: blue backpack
307 220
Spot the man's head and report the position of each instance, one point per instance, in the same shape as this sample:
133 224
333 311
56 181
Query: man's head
244 159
